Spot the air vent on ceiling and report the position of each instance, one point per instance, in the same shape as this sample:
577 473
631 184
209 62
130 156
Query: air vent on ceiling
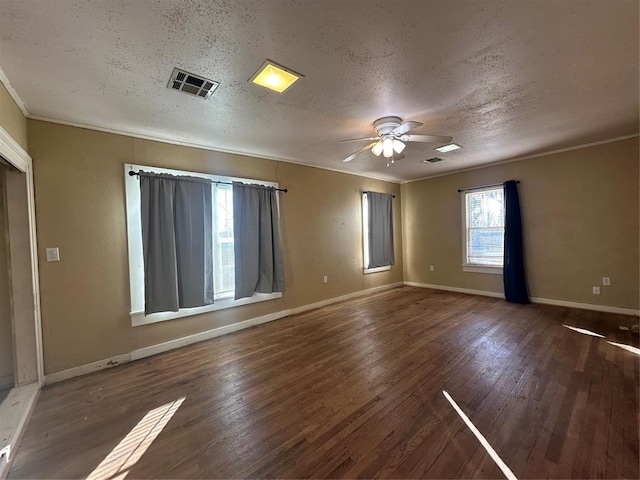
192 84
432 160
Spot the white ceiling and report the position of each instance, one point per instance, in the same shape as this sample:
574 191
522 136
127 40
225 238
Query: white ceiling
505 78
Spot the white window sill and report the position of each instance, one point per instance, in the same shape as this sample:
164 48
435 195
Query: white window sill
139 318
482 269
376 269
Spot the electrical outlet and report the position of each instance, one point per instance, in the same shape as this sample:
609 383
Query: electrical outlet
432 268
325 279
596 290
53 254
606 281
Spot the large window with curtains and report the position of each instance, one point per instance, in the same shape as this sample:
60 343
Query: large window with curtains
483 227
222 249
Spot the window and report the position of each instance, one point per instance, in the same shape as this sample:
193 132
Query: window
223 267
377 231
223 247
483 248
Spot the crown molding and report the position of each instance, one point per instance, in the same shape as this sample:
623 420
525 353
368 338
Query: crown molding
201 146
16 98
173 141
528 157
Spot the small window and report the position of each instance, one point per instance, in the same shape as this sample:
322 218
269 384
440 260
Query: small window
223 238
377 231
483 248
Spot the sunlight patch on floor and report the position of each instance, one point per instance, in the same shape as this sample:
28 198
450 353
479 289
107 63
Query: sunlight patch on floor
483 441
126 454
628 348
584 330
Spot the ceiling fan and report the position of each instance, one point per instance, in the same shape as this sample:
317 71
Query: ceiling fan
392 135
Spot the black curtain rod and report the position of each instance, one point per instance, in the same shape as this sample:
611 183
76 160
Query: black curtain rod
485 186
283 190
367 191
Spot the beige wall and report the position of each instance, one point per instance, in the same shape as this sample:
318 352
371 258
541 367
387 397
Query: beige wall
580 223
6 334
80 208
12 119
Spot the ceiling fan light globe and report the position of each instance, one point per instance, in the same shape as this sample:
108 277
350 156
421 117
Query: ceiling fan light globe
377 149
387 147
398 146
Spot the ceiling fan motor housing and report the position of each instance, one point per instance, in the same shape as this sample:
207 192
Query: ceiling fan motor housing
386 125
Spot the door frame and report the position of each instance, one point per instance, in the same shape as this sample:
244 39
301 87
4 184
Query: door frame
11 151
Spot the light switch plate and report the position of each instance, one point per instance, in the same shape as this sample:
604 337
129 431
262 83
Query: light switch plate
53 254
606 281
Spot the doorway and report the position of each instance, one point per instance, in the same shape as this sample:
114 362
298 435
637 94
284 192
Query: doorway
7 378
21 365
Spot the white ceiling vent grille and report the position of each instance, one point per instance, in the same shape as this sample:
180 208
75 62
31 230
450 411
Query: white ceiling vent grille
192 84
432 160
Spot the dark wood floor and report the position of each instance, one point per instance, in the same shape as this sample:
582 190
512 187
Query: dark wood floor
355 390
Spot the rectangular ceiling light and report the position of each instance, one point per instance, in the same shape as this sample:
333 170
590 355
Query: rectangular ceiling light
448 148
274 77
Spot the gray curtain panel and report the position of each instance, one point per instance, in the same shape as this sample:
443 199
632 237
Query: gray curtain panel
176 241
380 229
259 265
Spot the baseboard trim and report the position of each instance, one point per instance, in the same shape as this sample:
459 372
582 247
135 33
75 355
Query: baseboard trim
545 301
86 368
206 335
447 288
587 306
202 336
342 298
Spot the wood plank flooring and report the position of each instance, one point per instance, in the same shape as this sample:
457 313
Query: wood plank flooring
355 390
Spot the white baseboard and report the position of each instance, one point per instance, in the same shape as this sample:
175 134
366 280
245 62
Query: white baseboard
206 335
86 368
545 301
342 298
586 306
483 293
202 336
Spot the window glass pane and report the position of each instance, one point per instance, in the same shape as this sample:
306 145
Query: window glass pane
485 246
223 236
485 227
486 208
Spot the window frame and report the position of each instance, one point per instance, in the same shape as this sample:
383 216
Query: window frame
365 239
474 267
135 258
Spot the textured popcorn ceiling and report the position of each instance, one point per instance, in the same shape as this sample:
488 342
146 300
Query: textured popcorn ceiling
504 78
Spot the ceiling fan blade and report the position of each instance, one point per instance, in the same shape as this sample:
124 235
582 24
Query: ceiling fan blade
362 150
405 127
359 139
398 156
439 139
